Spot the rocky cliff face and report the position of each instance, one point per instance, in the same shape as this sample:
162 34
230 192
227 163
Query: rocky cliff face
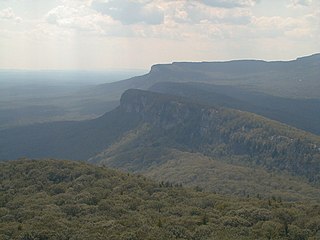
160 110
167 112
224 133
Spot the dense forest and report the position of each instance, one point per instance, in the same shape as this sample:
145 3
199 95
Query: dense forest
159 120
225 134
193 157
50 199
170 138
301 113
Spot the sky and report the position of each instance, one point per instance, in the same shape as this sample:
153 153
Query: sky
135 34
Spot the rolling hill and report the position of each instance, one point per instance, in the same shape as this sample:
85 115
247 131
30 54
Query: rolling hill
171 122
60 200
159 135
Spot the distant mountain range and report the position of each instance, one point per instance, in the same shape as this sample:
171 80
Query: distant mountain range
248 129
286 91
293 79
200 124
149 130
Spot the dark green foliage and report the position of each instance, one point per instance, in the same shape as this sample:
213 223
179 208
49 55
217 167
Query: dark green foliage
300 113
160 136
99 203
229 135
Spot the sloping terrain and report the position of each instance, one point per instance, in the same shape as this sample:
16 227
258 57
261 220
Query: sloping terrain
62 200
290 79
291 82
28 97
286 91
300 113
229 135
197 170
160 135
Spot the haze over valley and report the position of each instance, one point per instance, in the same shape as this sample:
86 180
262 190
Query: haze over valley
159 120
181 125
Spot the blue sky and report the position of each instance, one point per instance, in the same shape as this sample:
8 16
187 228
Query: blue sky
119 34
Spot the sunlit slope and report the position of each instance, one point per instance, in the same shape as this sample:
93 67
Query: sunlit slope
164 121
226 134
51 199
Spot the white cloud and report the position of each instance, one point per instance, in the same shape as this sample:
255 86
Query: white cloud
130 12
229 3
296 3
80 18
8 14
151 31
305 27
76 2
198 13
181 19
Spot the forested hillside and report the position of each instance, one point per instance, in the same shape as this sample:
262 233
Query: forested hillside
285 91
159 120
300 113
228 135
292 84
183 141
50 199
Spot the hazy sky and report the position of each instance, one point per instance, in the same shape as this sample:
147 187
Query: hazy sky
109 34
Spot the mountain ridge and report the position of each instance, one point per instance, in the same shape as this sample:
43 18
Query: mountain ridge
199 128
151 131
300 113
311 57
157 67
